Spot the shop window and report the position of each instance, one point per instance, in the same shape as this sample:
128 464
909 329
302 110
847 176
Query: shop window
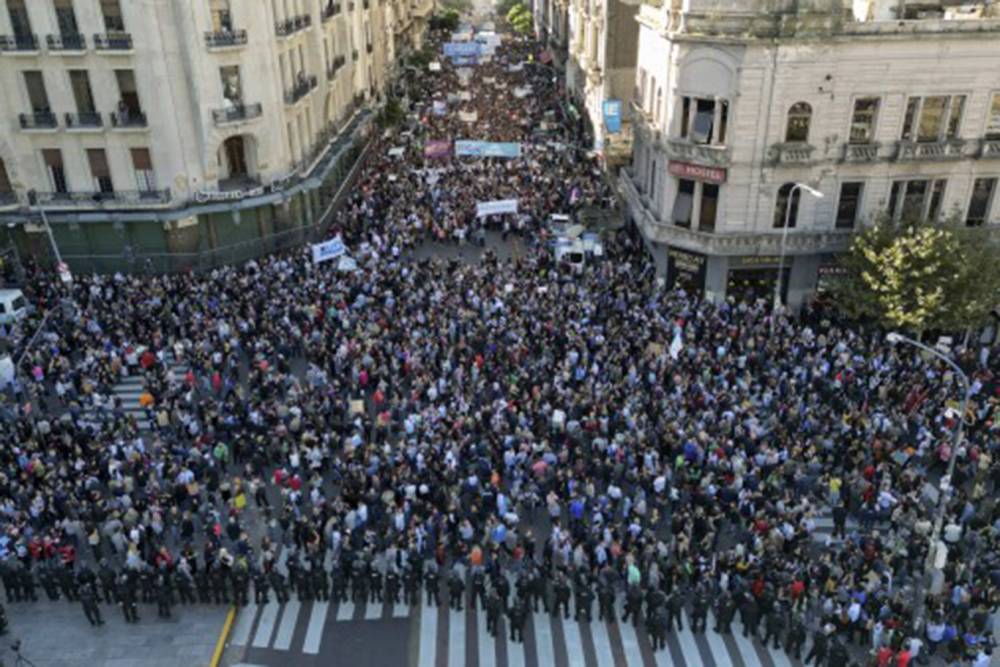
863 120
934 118
782 209
799 118
683 203
849 204
982 200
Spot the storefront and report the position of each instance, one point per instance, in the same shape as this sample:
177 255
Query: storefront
686 270
753 277
829 272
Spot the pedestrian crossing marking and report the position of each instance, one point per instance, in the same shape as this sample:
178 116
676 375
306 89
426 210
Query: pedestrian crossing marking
345 612
428 636
314 633
747 650
456 638
687 641
400 610
266 625
244 624
487 646
716 643
372 612
287 627
543 639
602 643
630 642
574 642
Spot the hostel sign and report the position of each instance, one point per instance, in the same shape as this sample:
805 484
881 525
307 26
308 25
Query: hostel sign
697 172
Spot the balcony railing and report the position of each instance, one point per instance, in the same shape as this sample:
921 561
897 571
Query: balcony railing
113 41
949 149
68 42
8 198
331 10
237 113
99 198
128 120
22 43
337 64
793 152
225 39
860 153
38 120
85 120
292 25
990 149
300 89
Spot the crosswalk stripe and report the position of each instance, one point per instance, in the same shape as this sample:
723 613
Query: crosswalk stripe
456 638
266 625
688 646
287 626
543 640
400 610
747 650
428 636
516 652
373 611
717 643
314 632
484 643
574 642
630 642
345 611
244 624
602 643
779 658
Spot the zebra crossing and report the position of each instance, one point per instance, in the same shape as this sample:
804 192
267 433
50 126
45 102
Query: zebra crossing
445 637
129 389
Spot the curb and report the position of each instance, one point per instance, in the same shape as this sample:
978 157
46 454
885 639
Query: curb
220 644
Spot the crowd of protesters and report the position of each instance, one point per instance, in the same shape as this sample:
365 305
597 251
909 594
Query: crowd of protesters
473 429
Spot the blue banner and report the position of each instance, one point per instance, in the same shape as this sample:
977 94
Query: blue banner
328 250
613 116
495 207
487 149
452 49
461 61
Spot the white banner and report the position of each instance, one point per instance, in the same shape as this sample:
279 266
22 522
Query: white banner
465 96
521 92
434 66
468 116
495 207
328 250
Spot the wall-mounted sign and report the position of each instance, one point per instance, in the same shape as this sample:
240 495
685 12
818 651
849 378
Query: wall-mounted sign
697 172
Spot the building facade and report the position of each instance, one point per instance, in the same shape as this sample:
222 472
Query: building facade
182 128
883 107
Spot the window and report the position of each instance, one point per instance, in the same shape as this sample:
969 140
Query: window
19 21
709 206
222 20
232 89
782 208
849 204
142 163
683 203
916 200
982 199
52 157
80 83
37 97
112 12
703 121
99 172
65 18
640 87
993 119
799 117
934 118
129 102
863 120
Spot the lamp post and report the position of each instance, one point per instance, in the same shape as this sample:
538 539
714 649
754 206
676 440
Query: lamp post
894 338
784 240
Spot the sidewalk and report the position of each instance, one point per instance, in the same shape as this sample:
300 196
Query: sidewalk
57 634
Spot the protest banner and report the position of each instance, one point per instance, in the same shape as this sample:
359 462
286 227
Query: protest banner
437 149
487 149
328 250
495 207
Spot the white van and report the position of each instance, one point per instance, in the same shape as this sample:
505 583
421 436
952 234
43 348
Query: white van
13 305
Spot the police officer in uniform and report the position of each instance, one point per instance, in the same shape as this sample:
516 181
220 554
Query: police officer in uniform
724 615
538 591
203 585
338 583
773 624
185 586
492 611
127 598
561 591
699 612
47 579
749 615
27 584
411 585
584 601
796 637
518 614
391 585
321 583
432 585
456 590
280 586
107 578
605 602
478 589
633 604
259 586
164 595
88 598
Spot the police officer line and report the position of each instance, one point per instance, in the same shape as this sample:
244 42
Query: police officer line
548 640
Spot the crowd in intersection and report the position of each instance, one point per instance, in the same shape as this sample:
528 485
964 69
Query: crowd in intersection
502 430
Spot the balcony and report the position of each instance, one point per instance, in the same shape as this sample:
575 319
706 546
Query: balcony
914 151
989 149
129 120
237 113
86 120
727 243
331 10
113 42
38 120
862 153
337 64
97 198
8 199
68 43
794 153
19 44
302 87
293 25
225 39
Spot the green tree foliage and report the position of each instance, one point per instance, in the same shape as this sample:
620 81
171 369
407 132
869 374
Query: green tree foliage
519 18
449 19
504 6
917 275
392 113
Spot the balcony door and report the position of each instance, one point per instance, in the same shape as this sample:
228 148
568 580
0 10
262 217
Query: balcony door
236 158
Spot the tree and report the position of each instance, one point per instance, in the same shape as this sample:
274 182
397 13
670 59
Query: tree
447 20
918 275
520 19
504 6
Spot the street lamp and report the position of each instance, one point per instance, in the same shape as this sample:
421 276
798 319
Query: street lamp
784 239
894 338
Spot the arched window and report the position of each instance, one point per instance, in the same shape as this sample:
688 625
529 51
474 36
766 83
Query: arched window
781 206
799 118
